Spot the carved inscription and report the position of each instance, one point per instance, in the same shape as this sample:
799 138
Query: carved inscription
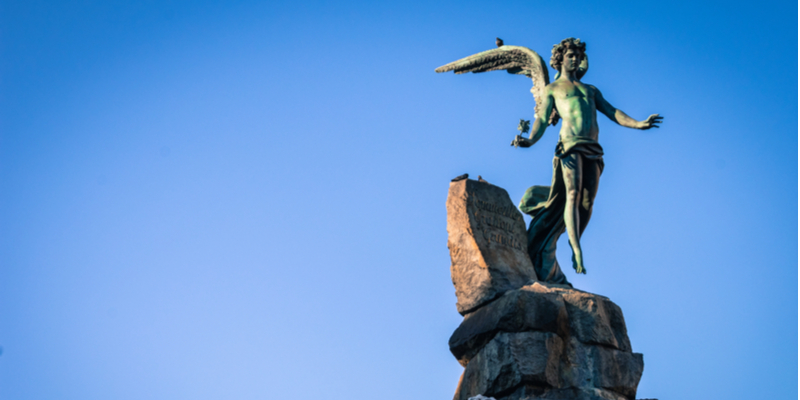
502 239
488 244
492 217
495 222
506 211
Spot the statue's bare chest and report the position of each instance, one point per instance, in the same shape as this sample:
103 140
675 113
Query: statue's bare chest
574 92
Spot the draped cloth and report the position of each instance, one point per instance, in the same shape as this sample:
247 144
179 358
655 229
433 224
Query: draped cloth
546 204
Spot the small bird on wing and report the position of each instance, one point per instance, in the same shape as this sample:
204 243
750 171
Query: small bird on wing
499 42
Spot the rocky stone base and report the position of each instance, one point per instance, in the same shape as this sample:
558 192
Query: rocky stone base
546 342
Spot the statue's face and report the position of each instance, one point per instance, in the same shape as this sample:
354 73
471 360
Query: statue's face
572 59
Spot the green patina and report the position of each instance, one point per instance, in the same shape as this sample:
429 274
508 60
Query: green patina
578 161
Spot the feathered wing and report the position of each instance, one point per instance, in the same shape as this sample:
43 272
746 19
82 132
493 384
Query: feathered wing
514 59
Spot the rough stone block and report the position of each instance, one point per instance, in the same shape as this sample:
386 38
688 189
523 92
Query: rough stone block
509 360
516 311
546 341
592 318
488 244
618 371
528 392
593 366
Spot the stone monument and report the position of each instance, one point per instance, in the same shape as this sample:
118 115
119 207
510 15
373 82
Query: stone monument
527 333
578 161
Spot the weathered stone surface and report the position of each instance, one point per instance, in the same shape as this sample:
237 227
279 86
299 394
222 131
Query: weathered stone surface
593 366
516 311
592 318
488 244
618 371
540 365
528 392
512 359
546 341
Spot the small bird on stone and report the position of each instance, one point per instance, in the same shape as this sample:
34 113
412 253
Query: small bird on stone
499 42
460 178
480 179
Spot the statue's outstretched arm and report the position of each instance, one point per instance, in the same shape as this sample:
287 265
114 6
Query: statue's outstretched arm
620 117
539 124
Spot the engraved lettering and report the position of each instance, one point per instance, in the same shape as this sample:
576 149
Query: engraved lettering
490 216
506 211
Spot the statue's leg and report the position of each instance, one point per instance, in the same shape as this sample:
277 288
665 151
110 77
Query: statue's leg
546 227
571 167
591 180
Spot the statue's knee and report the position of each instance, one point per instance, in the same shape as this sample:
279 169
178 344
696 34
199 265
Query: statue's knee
572 196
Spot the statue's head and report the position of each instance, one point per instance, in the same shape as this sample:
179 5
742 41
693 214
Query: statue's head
569 53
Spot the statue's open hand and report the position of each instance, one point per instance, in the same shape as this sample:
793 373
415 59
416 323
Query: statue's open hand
520 141
650 122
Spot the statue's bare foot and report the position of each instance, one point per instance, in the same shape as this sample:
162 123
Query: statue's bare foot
577 264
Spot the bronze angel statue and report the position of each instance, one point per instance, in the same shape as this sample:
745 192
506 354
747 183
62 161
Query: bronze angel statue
578 161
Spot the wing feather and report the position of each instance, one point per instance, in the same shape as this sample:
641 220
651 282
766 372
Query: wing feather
514 59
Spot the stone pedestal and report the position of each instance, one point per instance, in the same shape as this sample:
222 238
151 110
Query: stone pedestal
522 339
546 342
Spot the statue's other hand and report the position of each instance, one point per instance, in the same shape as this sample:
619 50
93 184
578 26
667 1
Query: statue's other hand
520 141
651 122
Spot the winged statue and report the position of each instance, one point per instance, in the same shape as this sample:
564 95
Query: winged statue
578 161
516 60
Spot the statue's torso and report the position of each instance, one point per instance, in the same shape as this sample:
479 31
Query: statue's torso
575 103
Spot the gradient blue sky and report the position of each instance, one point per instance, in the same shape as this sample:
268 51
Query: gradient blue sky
245 200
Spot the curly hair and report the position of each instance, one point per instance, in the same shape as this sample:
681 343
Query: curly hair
561 48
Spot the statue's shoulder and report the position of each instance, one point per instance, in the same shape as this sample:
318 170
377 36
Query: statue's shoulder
591 87
552 87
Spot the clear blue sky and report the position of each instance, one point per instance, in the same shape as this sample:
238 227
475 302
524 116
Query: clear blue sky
245 200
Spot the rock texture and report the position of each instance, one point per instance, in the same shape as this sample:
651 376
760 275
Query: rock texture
546 342
522 339
510 360
526 309
488 244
